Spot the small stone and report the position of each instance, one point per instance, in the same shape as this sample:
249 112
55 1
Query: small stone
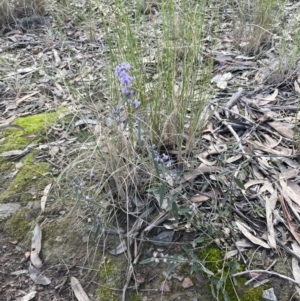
187 282
269 295
163 239
165 286
8 209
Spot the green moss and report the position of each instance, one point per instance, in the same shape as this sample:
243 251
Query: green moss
105 294
135 297
30 130
17 227
31 175
253 294
213 259
32 126
110 272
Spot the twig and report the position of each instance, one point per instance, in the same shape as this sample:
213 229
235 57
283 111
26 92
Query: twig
234 98
254 278
266 272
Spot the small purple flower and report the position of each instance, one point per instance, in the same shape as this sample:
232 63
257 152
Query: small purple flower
162 159
121 71
116 114
136 103
157 158
124 77
125 66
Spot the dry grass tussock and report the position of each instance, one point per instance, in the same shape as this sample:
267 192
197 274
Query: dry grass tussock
254 24
10 10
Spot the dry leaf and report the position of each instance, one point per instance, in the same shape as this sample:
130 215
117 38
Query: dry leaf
251 237
199 198
221 80
27 98
253 182
296 272
53 151
292 190
45 196
78 290
284 129
269 98
296 86
37 277
202 169
28 297
84 73
270 206
36 245
289 221
122 247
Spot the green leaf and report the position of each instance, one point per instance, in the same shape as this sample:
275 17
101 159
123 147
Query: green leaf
205 270
239 183
213 291
162 192
146 261
170 269
199 240
175 210
139 134
226 297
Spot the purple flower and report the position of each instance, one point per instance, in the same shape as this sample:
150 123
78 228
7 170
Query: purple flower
124 77
121 71
136 103
116 114
125 66
162 159
157 158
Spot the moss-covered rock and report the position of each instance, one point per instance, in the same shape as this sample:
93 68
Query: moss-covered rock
30 128
18 181
31 175
18 226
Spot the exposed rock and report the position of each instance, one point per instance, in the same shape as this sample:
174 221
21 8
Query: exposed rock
269 295
7 209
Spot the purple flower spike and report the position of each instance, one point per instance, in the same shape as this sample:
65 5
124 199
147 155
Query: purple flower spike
125 66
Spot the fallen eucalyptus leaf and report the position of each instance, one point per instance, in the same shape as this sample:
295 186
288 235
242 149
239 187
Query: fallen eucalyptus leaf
37 277
78 290
251 237
36 245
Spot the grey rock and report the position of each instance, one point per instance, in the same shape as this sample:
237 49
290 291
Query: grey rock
35 205
269 295
163 239
7 209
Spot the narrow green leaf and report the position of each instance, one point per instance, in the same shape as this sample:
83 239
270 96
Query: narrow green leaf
162 193
146 261
170 268
175 210
239 183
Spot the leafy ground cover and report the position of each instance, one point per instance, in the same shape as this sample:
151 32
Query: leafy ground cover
153 148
